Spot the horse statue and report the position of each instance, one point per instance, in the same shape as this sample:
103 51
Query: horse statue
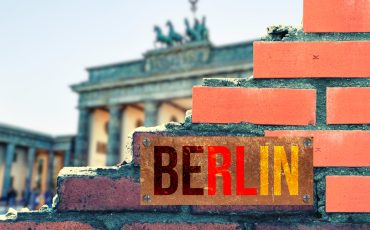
197 27
195 33
201 28
192 33
172 34
199 32
204 30
161 38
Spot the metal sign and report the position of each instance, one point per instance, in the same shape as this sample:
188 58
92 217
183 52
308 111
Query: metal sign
225 170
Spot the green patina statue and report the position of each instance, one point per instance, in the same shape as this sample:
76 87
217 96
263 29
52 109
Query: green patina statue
192 33
201 29
172 34
199 32
204 30
161 38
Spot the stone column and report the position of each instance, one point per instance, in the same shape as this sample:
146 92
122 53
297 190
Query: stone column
151 113
30 159
82 138
67 158
50 178
10 151
114 135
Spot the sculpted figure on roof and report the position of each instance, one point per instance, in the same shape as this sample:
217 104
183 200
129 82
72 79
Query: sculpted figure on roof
197 32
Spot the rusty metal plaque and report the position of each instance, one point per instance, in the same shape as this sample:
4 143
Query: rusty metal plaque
225 170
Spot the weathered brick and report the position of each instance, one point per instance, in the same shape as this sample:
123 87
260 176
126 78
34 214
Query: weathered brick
348 105
336 16
321 226
347 194
311 59
68 225
274 106
184 226
243 209
331 148
101 193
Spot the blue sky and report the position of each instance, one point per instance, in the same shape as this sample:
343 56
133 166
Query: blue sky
46 45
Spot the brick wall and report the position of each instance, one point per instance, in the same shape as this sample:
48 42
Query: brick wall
304 84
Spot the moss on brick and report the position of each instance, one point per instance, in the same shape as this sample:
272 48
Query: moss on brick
290 33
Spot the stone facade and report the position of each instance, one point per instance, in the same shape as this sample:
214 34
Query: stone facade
163 79
31 159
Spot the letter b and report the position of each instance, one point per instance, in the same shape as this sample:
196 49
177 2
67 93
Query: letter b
159 169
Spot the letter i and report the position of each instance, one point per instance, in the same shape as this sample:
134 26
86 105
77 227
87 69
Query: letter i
264 170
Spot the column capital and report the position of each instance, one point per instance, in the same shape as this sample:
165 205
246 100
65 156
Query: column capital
10 144
31 148
119 106
84 110
151 104
115 108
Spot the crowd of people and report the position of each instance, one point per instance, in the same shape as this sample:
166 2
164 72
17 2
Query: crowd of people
33 200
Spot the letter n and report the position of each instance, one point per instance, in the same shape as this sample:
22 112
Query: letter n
291 173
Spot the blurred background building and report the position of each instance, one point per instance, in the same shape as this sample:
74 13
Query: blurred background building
154 90
45 46
113 101
30 162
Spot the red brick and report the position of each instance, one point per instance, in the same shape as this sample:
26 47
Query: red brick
336 16
240 209
334 147
176 226
102 194
348 105
68 225
311 59
348 194
273 106
313 226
